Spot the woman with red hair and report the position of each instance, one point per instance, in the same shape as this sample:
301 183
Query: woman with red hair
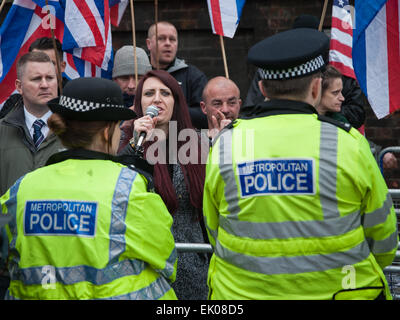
178 170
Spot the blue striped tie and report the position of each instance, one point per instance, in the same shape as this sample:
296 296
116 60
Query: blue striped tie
38 136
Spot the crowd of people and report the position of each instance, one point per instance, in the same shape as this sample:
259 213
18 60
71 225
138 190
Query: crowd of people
284 188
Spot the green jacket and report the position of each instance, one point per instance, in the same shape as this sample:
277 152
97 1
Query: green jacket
296 208
18 155
88 229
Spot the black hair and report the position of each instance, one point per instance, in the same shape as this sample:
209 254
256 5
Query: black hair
46 43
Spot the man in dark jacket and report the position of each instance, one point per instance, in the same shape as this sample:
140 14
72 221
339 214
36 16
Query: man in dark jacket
25 139
190 78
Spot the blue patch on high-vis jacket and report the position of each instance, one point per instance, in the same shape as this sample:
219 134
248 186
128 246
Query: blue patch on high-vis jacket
60 217
276 176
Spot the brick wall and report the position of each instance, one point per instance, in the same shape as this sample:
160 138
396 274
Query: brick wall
199 46
260 18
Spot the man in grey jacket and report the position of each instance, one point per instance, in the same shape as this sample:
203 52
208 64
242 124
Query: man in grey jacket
25 140
37 83
190 78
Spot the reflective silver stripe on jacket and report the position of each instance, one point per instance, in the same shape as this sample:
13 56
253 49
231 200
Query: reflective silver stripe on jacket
227 174
118 213
332 225
294 264
157 289
115 269
213 233
327 170
291 229
383 246
72 275
379 215
11 204
169 265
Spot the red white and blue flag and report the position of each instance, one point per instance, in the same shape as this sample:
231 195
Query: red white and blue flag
340 53
117 9
376 53
24 23
83 27
87 28
225 16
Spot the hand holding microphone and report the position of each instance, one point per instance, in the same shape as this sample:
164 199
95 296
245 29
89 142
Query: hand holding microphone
151 111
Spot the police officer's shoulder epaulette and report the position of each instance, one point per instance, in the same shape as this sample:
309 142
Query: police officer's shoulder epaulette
139 165
343 125
230 125
147 175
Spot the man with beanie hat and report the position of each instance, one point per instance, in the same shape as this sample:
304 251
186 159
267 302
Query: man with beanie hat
124 70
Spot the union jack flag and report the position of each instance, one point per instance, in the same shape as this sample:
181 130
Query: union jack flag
83 28
87 28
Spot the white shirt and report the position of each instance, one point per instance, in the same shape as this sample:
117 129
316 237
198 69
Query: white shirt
30 119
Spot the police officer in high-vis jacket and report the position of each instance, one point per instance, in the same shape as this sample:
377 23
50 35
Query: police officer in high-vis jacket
294 203
87 226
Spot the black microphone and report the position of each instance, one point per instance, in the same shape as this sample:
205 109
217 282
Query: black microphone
151 111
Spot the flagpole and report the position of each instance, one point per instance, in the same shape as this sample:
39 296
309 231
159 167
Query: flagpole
221 39
2 5
59 78
134 40
321 22
156 31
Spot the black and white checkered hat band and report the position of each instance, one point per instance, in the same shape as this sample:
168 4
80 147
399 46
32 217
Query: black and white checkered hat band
83 106
297 71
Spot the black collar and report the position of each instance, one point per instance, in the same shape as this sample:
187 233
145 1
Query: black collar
84 154
278 106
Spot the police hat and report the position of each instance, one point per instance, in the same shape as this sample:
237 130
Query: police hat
290 54
91 99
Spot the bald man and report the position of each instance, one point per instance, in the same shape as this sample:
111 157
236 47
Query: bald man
221 103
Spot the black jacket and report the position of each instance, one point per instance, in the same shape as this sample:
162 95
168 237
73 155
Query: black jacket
192 82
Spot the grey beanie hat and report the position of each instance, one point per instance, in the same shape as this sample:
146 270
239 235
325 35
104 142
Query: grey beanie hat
124 64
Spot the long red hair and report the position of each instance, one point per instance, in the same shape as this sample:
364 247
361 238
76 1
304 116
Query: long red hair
194 173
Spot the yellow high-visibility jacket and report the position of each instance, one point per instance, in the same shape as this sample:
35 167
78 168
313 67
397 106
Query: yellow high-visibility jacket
88 229
296 208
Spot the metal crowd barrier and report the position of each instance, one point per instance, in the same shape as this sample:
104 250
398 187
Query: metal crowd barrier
392 272
194 247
